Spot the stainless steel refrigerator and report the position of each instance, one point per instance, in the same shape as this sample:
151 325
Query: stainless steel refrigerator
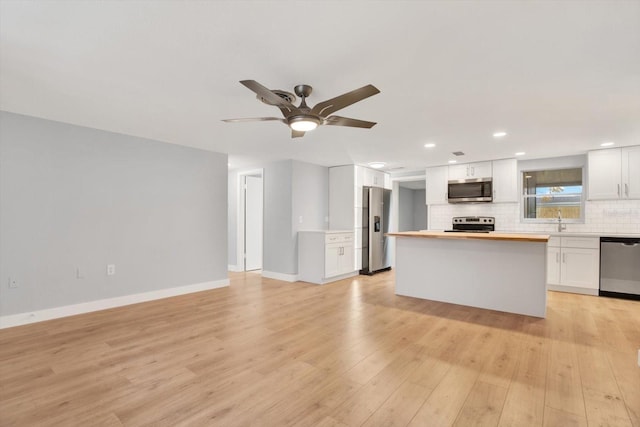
375 224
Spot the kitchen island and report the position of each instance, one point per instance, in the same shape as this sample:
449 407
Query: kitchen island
497 271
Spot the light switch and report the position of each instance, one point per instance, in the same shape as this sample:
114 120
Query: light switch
111 269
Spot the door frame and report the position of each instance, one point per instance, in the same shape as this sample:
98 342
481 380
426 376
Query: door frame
395 212
240 219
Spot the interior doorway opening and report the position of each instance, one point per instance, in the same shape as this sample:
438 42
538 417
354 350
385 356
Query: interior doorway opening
250 220
412 208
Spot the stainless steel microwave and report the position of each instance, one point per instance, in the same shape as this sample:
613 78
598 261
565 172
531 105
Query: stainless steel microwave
478 190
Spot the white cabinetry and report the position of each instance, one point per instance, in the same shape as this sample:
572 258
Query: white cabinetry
325 256
436 185
614 174
470 170
573 264
373 178
505 180
345 200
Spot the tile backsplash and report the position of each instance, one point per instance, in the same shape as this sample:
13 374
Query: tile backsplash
610 216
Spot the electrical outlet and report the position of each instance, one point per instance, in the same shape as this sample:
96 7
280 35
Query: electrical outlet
13 283
111 269
300 220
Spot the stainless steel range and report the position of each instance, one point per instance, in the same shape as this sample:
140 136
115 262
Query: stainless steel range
473 224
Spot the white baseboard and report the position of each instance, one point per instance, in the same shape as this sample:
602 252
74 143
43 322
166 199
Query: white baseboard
103 304
280 276
572 289
235 268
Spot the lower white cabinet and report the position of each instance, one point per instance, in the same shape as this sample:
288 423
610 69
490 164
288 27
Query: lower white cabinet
573 264
325 256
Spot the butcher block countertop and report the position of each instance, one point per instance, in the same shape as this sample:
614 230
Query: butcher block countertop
522 237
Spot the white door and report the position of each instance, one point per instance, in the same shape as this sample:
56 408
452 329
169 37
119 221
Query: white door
253 223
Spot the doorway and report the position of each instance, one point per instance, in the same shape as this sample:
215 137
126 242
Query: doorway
250 220
412 209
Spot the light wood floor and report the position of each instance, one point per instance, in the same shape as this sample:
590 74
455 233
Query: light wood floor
350 353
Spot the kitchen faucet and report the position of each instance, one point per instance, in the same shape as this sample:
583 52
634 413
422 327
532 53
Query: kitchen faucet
561 226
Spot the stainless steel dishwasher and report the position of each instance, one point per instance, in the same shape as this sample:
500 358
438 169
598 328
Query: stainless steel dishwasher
620 267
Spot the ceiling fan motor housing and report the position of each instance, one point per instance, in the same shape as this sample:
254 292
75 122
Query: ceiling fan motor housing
303 90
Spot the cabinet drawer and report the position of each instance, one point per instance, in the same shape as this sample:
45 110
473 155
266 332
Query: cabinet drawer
580 242
338 238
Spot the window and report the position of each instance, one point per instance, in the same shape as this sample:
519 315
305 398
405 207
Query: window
547 193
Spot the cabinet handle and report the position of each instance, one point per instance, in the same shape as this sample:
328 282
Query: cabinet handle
557 256
626 189
564 258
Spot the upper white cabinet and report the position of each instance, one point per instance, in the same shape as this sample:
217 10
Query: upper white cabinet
373 178
436 184
505 180
631 172
614 174
470 170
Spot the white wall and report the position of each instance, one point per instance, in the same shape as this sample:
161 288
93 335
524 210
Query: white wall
74 197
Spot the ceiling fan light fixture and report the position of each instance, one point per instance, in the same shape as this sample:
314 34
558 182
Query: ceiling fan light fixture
303 123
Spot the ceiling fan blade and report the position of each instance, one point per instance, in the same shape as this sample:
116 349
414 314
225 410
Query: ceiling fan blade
255 119
346 121
339 102
263 92
296 133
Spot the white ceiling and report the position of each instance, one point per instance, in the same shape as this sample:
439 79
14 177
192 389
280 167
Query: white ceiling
559 77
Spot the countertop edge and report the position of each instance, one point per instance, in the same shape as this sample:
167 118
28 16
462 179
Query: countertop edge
517 237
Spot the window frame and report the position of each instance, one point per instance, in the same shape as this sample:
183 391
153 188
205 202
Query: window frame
538 166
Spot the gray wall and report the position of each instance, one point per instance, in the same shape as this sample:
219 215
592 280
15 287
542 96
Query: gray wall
412 211
310 200
74 197
279 243
405 209
292 189
419 210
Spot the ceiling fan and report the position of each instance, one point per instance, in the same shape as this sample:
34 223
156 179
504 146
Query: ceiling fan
302 118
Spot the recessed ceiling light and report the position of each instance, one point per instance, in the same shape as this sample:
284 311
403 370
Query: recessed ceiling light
520 153
453 161
429 145
377 165
528 176
499 134
606 144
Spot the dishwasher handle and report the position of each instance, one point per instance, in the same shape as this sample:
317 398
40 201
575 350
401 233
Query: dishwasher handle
626 241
